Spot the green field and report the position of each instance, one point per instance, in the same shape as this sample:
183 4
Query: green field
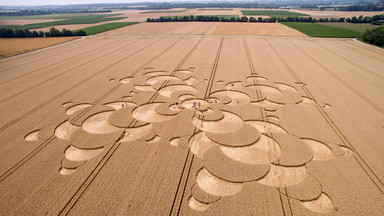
271 13
213 9
164 11
225 16
319 30
106 27
70 20
360 27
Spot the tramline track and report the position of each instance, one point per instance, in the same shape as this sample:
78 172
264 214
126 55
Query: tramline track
68 70
72 87
55 53
72 202
66 59
264 116
374 178
190 157
44 144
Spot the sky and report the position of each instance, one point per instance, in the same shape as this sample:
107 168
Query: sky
64 2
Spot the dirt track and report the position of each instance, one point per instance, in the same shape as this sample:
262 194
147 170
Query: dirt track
131 122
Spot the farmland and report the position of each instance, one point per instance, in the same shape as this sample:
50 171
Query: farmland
352 26
272 13
10 47
163 11
106 27
71 20
193 118
319 30
215 9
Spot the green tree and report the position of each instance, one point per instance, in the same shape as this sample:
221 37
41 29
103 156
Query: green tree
54 32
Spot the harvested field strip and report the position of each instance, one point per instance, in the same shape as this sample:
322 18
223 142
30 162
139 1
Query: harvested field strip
186 28
318 30
370 173
62 61
228 28
115 146
106 27
272 13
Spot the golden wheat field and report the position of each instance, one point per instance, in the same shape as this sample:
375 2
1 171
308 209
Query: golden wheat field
193 119
15 46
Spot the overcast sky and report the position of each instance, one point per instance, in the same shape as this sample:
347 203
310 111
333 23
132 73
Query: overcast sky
64 2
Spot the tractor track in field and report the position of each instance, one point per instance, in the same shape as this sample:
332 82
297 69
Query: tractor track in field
72 202
44 144
61 61
363 164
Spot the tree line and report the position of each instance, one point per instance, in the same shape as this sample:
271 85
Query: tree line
374 36
362 7
9 33
373 20
192 18
47 12
361 19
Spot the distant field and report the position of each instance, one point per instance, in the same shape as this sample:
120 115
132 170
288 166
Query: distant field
360 27
15 46
272 13
225 16
106 27
70 20
49 16
215 9
319 30
164 11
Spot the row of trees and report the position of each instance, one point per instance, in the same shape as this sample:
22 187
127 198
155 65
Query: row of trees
198 19
374 36
363 7
374 20
361 19
47 12
9 33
